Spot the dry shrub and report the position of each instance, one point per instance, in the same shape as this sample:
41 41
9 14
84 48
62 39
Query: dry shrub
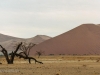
84 65
97 60
57 74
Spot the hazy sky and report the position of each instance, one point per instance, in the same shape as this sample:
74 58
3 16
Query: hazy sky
27 18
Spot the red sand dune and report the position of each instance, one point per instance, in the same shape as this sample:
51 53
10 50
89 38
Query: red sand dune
84 39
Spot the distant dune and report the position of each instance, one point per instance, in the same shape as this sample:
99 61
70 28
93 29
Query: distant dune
8 42
82 40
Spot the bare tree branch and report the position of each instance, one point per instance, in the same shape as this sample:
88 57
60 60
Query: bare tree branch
29 58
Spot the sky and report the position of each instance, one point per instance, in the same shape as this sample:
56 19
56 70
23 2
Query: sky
28 18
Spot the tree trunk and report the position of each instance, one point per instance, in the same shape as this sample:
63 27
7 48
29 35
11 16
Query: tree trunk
10 58
10 62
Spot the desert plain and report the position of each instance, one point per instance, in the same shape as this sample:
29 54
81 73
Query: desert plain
53 65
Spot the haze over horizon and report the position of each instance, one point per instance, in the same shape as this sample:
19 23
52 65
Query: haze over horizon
27 18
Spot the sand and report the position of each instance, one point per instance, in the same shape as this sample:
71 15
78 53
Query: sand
53 65
82 40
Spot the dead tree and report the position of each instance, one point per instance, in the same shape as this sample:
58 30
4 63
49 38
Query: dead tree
39 53
10 58
25 48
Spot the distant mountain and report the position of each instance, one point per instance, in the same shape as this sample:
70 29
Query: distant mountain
98 24
82 40
8 42
9 45
6 37
38 39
